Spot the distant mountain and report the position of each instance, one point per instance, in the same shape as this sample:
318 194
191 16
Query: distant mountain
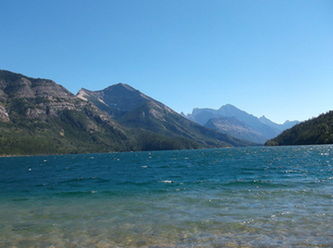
238 123
289 124
235 128
286 125
314 131
39 116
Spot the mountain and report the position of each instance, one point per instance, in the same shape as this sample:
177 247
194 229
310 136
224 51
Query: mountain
39 116
133 109
314 131
235 128
203 115
238 123
286 125
289 124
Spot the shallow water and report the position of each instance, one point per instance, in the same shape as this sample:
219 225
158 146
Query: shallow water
237 197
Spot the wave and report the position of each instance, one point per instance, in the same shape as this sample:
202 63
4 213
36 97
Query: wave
85 179
256 183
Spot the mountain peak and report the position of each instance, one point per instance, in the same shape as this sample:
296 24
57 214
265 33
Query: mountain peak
8 75
120 86
231 110
264 119
19 86
83 94
123 85
288 121
229 106
118 98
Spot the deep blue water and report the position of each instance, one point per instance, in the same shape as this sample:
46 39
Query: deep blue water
233 197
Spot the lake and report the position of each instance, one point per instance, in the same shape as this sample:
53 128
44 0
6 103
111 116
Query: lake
231 197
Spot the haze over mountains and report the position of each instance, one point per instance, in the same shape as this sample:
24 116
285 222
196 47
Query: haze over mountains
235 122
39 116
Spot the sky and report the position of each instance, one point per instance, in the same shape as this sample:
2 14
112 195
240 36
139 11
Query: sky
267 57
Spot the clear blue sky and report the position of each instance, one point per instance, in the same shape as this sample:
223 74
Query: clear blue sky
272 57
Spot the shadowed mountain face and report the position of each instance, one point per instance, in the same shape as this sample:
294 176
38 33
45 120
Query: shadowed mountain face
38 116
314 131
237 123
133 109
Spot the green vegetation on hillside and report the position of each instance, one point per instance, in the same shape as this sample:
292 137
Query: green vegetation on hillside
315 131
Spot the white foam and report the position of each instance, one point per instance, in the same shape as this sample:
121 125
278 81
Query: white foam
167 181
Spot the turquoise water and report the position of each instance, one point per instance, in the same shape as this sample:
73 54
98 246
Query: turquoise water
237 197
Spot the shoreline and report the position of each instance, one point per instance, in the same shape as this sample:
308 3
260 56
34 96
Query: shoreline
60 154
227 147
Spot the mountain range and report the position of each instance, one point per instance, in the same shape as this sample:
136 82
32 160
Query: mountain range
39 116
237 123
